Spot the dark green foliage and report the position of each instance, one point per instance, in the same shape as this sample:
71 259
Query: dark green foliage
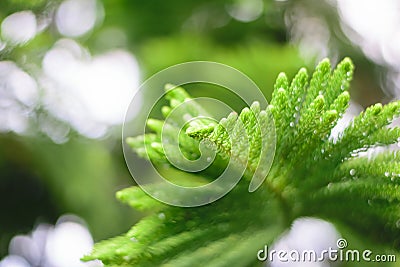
312 175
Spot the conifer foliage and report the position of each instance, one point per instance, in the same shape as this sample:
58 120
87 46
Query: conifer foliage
312 174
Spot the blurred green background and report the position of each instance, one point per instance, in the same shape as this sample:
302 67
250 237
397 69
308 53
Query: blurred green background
68 69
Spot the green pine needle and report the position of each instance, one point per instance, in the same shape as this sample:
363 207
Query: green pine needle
312 175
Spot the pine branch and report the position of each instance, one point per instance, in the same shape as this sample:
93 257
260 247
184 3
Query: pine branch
311 174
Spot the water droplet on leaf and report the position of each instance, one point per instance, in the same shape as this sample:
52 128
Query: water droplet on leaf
161 216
